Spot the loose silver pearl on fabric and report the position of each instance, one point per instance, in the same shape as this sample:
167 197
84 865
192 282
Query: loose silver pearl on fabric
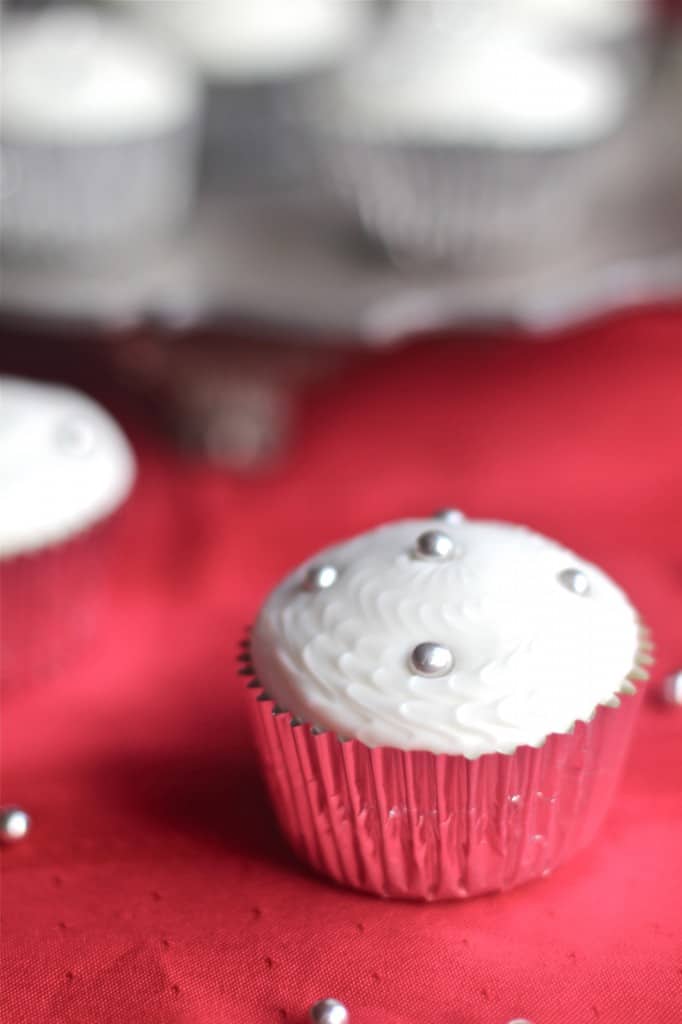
671 689
434 545
574 580
449 515
320 577
15 824
329 1011
430 659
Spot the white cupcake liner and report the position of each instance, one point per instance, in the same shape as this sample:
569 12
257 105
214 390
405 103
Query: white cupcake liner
416 825
52 603
95 198
458 203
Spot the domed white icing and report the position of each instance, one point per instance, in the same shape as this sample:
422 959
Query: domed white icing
64 464
601 20
74 75
245 40
475 75
531 655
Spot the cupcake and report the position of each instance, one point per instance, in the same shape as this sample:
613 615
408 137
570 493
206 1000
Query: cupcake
65 470
257 57
628 31
468 136
98 136
590 22
442 706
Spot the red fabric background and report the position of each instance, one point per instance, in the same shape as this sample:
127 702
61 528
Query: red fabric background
154 888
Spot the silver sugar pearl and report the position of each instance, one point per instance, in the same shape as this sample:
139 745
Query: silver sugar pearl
329 1011
75 437
430 659
671 688
574 580
519 1020
448 515
15 824
434 545
320 577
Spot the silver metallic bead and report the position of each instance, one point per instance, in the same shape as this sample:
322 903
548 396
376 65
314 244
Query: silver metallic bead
671 688
15 824
430 659
434 545
449 515
574 580
320 577
329 1011
75 437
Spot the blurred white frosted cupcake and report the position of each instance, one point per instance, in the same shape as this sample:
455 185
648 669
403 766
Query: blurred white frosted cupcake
442 706
626 31
258 57
65 470
589 22
98 137
466 134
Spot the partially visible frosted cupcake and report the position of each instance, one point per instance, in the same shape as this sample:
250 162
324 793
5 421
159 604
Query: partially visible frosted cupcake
469 135
590 22
443 705
257 57
65 470
98 138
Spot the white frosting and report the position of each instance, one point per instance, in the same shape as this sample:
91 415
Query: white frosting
64 464
590 19
259 39
530 656
73 75
480 81
568 21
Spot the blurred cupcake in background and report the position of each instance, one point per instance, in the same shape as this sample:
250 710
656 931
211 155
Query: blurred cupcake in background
257 57
467 133
442 706
627 31
591 22
65 470
98 139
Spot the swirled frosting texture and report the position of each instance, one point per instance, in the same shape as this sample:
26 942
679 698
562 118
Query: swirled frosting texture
530 656
64 464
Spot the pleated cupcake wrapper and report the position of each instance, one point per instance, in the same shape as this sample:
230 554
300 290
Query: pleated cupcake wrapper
476 206
91 198
422 826
51 602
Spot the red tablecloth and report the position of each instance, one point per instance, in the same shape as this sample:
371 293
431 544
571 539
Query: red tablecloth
155 889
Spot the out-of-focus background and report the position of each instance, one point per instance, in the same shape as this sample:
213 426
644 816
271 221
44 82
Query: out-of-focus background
328 263
216 204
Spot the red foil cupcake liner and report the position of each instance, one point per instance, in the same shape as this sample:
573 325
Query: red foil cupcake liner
422 826
51 603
